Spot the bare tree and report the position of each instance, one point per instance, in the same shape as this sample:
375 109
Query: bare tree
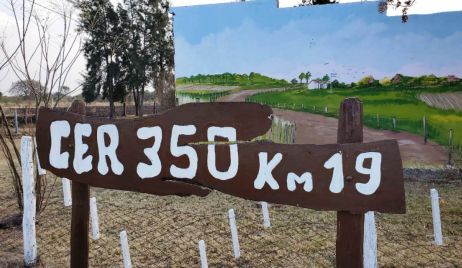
49 57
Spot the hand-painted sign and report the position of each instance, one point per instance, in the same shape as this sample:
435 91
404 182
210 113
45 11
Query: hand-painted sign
193 148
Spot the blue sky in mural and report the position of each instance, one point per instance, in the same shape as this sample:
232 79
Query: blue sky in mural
352 40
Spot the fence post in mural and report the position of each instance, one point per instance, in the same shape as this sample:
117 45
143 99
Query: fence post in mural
125 249
234 236
80 212
370 241
94 219
266 217
394 122
450 147
16 123
350 226
203 254
67 192
326 110
438 234
28 219
425 129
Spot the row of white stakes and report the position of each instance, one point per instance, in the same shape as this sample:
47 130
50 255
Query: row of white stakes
29 233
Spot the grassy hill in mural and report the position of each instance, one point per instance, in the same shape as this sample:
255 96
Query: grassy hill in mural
381 105
243 81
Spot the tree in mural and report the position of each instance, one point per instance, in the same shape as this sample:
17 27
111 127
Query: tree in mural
307 77
301 76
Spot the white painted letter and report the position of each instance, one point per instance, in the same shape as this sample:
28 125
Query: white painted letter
337 183
226 132
150 171
109 151
374 172
306 178
177 151
58 130
265 171
81 164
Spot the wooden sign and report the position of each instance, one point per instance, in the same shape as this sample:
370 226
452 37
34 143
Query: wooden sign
193 148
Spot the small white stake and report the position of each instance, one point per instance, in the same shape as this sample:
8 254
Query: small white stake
28 219
436 217
234 236
125 249
67 192
203 254
370 241
265 212
94 219
41 171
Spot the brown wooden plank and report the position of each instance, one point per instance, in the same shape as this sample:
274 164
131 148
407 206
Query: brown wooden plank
297 159
80 213
350 227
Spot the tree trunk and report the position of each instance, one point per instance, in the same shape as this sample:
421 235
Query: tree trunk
135 100
165 90
141 100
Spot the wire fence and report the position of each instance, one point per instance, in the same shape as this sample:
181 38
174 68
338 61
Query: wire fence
164 232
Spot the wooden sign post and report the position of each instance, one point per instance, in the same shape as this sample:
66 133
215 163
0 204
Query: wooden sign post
80 212
199 147
350 226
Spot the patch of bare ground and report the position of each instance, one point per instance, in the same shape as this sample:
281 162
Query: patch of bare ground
447 101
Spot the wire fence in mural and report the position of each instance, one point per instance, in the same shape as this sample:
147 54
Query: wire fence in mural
425 127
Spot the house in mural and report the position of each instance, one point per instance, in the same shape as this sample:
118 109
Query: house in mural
453 79
396 79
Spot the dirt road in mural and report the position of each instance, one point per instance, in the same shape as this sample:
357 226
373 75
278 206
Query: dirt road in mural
317 129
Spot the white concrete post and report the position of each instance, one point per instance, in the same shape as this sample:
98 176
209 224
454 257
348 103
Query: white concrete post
234 236
436 217
125 249
265 212
41 171
16 123
370 241
203 254
67 192
94 219
28 219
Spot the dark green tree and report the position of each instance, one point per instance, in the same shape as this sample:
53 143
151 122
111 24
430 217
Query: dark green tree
103 49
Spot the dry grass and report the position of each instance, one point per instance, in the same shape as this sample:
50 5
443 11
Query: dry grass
164 231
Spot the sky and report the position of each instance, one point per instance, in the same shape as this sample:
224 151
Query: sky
351 40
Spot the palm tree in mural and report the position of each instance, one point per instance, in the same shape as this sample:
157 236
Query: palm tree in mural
301 77
307 77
